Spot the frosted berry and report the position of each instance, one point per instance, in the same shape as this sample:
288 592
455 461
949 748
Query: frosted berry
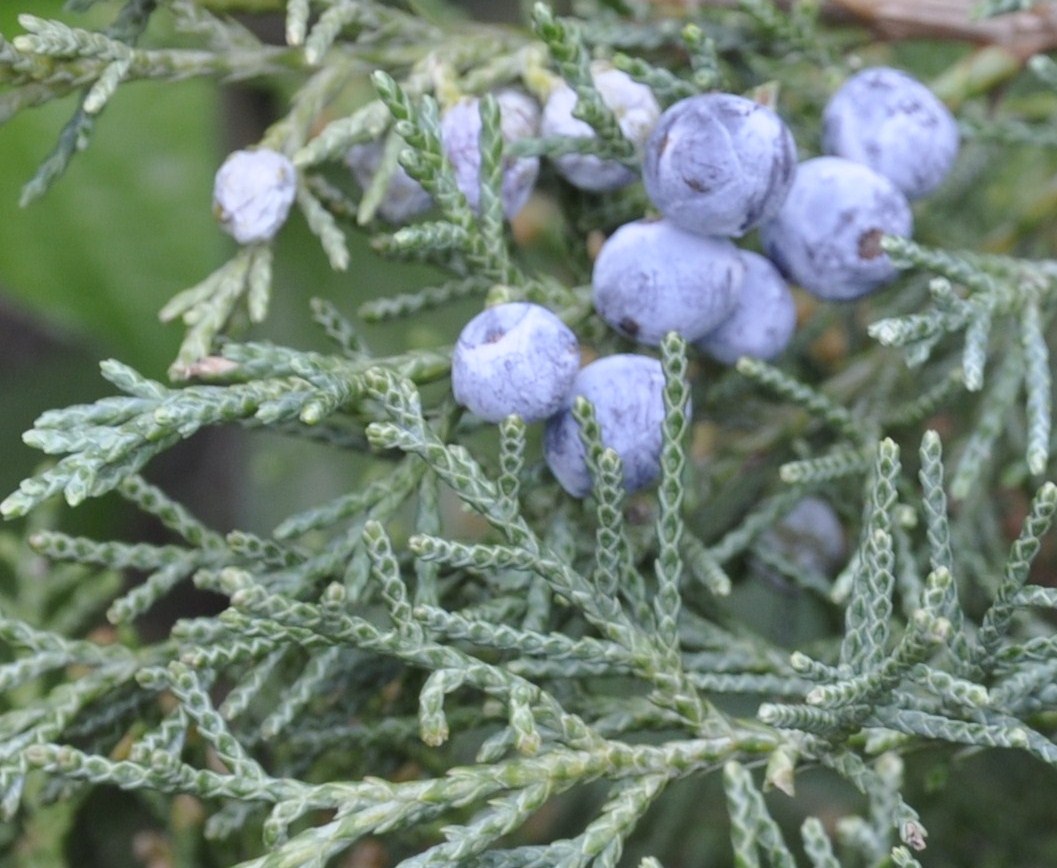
651 278
810 536
763 320
891 122
627 392
827 235
252 194
404 197
514 358
636 110
719 164
460 131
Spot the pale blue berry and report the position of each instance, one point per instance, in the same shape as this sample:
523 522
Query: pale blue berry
810 536
636 110
515 358
719 164
891 122
763 321
827 235
252 194
404 197
627 392
651 278
460 132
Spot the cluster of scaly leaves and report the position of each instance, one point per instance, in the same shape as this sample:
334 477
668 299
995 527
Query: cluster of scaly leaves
373 672
312 629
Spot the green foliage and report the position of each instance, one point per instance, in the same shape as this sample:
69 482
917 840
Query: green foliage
125 188
452 656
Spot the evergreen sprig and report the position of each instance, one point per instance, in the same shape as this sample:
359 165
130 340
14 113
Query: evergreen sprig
384 667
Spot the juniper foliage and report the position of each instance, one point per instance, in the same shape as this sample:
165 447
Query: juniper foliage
376 675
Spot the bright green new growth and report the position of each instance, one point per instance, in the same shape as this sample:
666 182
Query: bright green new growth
376 673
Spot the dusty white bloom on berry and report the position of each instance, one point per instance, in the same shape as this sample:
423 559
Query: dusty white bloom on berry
514 358
827 234
652 277
460 131
764 317
404 198
636 110
627 392
719 164
253 193
888 120
810 536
